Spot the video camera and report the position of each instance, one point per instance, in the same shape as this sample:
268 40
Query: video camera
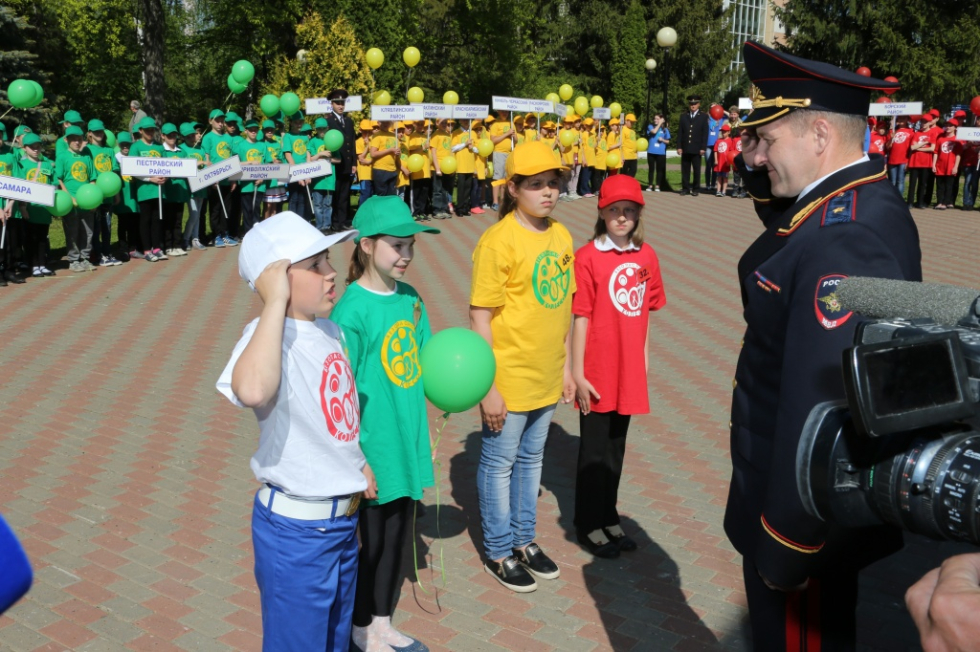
905 448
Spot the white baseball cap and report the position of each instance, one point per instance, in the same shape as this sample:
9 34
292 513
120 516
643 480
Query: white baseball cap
285 235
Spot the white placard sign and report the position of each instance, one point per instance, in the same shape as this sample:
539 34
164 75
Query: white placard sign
315 105
501 103
214 173
263 171
895 108
602 113
436 111
561 110
971 134
470 111
310 170
744 104
353 103
392 113
151 166
29 191
540 106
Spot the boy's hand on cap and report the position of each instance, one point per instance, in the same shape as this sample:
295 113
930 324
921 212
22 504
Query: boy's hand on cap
273 284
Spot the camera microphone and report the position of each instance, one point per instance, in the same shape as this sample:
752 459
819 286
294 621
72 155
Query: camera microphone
882 298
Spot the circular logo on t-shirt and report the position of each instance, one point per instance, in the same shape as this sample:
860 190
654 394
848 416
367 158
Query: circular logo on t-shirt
550 281
253 156
299 147
338 399
223 149
4 168
900 137
34 175
722 147
103 162
79 172
626 290
400 354
152 153
947 147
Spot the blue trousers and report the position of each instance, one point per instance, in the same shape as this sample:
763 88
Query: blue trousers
323 208
307 573
299 201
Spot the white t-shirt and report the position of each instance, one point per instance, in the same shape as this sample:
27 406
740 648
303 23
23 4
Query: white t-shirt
309 434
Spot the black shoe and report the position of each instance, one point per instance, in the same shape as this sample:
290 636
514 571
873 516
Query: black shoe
685 192
13 277
620 539
599 544
538 563
3 283
511 574
695 193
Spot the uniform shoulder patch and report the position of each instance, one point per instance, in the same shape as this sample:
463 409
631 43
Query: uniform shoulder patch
839 208
827 306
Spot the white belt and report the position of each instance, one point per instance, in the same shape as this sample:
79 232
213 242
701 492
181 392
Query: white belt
304 510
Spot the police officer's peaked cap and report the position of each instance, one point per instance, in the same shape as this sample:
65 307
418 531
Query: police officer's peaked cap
783 83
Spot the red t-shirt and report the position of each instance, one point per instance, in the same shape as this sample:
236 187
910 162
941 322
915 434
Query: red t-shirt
722 147
970 155
920 159
947 149
898 150
877 145
616 292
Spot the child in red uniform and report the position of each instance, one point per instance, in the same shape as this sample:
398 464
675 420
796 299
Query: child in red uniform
619 285
897 148
920 167
969 160
878 138
722 146
946 166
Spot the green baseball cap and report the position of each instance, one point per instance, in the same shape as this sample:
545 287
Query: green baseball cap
187 128
22 129
216 113
168 128
73 117
305 129
30 139
231 116
124 138
387 215
321 123
146 123
74 131
96 125
251 123
268 124
296 116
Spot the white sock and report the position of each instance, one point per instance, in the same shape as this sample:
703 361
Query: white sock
388 633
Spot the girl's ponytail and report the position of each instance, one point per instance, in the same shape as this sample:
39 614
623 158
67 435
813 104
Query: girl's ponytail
358 264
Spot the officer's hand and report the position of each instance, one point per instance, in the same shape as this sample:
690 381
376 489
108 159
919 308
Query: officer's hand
944 605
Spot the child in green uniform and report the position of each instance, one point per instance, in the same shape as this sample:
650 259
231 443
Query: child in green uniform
324 186
177 194
37 219
9 217
73 170
250 150
150 193
385 326
275 190
127 210
104 160
71 119
294 152
217 147
233 126
194 229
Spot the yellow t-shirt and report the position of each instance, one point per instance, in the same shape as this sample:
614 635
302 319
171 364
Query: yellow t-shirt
440 145
601 151
363 171
479 163
465 158
416 145
528 279
381 141
612 143
550 142
402 177
629 144
530 135
567 153
498 129
588 148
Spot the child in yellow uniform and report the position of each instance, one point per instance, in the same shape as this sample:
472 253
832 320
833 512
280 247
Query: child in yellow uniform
421 180
587 157
478 133
548 137
518 130
614 144
363 150
567 156
530 128
501 132
629 146
464 147
385 159
601 152
405 130
440 148
578 159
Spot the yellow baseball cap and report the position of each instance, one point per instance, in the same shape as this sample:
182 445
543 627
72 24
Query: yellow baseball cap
614 121
476 123
366 125
489 119
568 118
588 121
631 117
530 116
548 124
532 158
519 118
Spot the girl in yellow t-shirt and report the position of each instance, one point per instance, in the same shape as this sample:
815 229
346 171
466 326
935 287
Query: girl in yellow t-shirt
478 133
587 157
520 302
362 148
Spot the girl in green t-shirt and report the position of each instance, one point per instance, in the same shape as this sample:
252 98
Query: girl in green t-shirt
104 160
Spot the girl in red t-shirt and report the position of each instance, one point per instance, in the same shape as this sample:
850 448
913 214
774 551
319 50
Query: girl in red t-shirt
618 280
920 168
946 166
722 146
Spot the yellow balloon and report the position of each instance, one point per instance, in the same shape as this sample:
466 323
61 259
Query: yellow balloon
374 58
447 164
450 97
570 110
416 162
567 137
489 169
553 97
382 98
581 105
416 95
485 146
596 102
612 161
411 57
641 144
565 92
615 109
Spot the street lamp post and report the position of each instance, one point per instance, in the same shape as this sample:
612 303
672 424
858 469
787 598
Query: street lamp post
666 38
651 65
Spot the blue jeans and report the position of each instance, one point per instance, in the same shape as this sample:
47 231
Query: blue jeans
323 208
970 178
508 479
306 572
102 231
194 205
896 174
299 202
365 192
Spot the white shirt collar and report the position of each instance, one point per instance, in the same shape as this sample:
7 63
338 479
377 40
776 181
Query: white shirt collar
602 243
864 158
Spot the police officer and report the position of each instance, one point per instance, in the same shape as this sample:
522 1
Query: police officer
838 217
347 167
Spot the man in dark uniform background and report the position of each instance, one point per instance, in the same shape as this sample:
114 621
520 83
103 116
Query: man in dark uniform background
693 145
347 167
838 216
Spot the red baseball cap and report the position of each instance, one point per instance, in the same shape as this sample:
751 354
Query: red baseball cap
960 114
934 112
953 121
620 187
726 127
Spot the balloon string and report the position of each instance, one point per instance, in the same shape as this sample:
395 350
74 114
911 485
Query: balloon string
415 552
8 111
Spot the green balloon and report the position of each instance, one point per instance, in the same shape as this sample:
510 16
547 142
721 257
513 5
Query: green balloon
289 103
38 93
21 94
458 368
62 204
235 87
89 197
269 105
243 71
333 140
109 183
110 139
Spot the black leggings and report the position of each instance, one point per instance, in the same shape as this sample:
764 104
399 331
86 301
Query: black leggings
382 529
151 226
602 446
36 243
946 188
657 163
919 181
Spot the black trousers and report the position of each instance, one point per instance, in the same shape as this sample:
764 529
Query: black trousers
598 176
151 226
382 529
919 182
13 242
219 222
251 213
341 199
173 217
36 243
709 167
420 196
657 164
235 212
819 619
384 183
464 186
630 167
690 162
129 231
946 188
602 446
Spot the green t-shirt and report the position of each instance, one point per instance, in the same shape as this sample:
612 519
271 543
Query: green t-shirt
218 147
176 189
272 147
75 170
316 146
383 335
127 196
198 154
104 160
297 145
61 148
252 153
8 162
41 171
144 189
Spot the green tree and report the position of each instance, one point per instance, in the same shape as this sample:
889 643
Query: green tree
18 61
626 70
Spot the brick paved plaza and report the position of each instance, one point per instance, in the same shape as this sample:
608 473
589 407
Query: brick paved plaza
127 476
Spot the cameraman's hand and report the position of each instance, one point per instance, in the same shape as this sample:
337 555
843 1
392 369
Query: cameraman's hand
944 605
785 589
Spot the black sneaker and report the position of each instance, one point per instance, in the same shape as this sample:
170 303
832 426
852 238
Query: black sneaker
599 544
622 540
538 563
511 574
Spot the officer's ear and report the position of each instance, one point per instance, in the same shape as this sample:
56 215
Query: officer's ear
822 133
